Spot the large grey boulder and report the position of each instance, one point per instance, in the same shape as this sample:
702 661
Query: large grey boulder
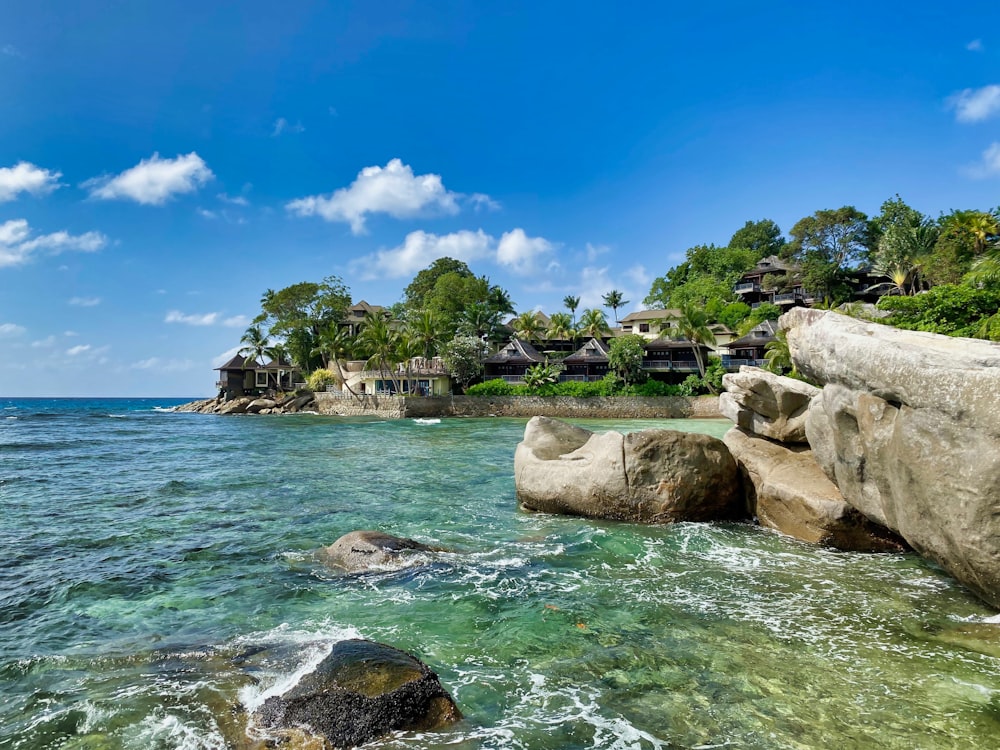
908 427
787 490
767 404
653 476
361 691
366 551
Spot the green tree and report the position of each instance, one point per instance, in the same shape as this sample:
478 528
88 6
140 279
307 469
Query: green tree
733 314
380 340
778 355
560 327
463 356
424 328
826 245
594 323
571 303
541 374
528 326
692 324
625 355
950 309
254 343
335 344
615 300
416 292
764 311
762 238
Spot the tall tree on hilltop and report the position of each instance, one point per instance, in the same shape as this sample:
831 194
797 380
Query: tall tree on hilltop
615 299
416 293
826 245
762 238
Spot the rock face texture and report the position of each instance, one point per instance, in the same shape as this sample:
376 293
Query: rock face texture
653 476
290 404
364 551
908 427
767 404
361 691
788 491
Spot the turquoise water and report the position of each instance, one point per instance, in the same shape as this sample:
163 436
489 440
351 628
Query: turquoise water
157 581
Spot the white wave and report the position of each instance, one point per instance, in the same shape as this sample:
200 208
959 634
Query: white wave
118 416
422 420
168 730
165 409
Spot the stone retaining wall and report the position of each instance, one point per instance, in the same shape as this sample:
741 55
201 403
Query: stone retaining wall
617 407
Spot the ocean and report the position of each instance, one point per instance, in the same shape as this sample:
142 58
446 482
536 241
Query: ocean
158 581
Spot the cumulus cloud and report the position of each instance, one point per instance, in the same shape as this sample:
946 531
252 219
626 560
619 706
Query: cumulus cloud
392 189
522 253
989 164
175 316
975 105
281 125
17 246
11 329
153 181
596 281
45 343
483 202
976 45
84 301
25 177
237 321
237 200
76 351
419 250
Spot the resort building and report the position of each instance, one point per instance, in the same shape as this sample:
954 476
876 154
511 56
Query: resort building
775 281
588 363
512 361
356 313
650 324
241 376
750 349
417 376
665 355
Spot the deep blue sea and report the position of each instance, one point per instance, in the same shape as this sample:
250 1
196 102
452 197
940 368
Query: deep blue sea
158 581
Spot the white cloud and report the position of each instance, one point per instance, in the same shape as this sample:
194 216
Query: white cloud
153 181
237 321
84 301
206 214
11 329
419 250
483 202
595 251
10 50
45 343
227 355
976 45
521 252
25 177
163 365
238 200
76 351
975 105
175 316
989 165
281 125
392 189
17 246
596 281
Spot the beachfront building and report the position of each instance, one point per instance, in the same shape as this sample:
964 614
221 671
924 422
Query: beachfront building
418 376
750 349
665 355
588 363
650 324
512 361
241 376
774 281
356 313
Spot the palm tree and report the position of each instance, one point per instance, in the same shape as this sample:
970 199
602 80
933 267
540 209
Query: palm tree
255 344
615 299
498 299
778 355
426 331
692 324
594 323
986 269
527 326
335 344
571 304
481 321
380 340
560 327
901 252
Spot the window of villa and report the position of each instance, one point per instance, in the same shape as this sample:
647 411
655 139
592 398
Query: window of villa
260 378
644 328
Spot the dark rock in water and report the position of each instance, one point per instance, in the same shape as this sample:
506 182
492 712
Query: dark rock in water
361 551
361 691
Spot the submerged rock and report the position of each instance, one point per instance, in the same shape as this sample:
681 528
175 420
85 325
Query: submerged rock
361 691
908 427
788 491
653 476
363 551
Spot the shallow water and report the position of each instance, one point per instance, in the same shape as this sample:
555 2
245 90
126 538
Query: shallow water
157 580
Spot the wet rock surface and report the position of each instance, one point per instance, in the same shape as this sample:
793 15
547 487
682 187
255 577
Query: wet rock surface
365 551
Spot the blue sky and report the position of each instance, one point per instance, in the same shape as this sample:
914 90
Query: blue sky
161 165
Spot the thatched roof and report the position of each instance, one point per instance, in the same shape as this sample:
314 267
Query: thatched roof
516 352
594 350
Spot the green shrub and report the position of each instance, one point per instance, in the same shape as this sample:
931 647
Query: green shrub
319 379
655 388
496 387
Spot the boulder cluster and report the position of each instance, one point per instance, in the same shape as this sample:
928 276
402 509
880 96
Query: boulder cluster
897 447
289 404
